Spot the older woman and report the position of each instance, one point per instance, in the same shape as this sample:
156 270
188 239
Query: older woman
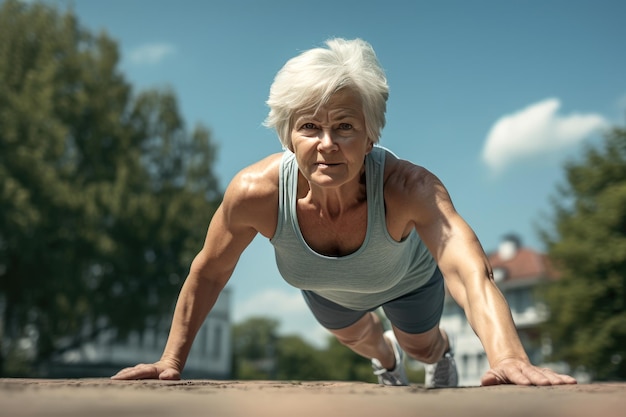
355 228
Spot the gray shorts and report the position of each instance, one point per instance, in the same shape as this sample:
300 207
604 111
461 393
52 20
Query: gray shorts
415 312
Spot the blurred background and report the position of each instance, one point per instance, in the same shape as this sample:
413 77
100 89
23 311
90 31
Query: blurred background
122 122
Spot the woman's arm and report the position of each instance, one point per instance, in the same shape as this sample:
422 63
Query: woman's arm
249 207
469 279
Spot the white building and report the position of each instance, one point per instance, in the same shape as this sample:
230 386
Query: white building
210 357
517 272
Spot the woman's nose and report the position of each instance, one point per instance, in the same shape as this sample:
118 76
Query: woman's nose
327 141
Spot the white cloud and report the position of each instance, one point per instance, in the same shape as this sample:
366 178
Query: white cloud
291 311
151 54
536 130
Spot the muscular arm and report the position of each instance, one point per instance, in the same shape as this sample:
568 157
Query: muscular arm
249 207
209 273
468 277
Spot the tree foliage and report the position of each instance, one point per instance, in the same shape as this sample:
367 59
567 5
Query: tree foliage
260 353
588 244
104 195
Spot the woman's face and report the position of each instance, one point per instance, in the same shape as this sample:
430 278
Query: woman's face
330 145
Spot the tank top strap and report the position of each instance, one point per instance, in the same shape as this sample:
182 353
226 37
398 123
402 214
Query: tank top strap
375 175
287 189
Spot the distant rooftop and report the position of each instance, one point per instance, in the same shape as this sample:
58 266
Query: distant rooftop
512 262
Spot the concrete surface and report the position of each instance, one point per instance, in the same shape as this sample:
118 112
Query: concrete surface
103 397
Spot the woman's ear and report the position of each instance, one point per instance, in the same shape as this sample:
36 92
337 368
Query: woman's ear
370 145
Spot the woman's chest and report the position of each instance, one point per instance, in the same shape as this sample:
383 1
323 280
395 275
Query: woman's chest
346 234
333 236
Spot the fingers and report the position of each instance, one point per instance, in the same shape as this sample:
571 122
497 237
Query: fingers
508 375
524 374
141 371
147 371
558 379
544 377
536 376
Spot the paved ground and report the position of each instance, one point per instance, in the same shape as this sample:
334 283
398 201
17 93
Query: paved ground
102 397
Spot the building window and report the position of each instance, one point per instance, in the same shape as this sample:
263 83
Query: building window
520 300
203 340
216 352
465 365
480 362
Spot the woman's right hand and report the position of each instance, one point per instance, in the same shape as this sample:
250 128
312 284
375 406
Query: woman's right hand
157 370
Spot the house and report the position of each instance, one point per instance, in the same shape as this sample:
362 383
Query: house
517 271
210 356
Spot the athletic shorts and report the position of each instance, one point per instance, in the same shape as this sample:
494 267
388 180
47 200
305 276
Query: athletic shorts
415 312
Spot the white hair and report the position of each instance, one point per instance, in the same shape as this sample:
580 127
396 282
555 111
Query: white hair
308 81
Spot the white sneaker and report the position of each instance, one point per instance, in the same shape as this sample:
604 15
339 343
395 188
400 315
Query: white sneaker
442 374
396 376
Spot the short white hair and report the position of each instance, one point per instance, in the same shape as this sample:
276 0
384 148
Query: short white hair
308 80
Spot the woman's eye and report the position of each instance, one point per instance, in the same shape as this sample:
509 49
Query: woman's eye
308 126
345 126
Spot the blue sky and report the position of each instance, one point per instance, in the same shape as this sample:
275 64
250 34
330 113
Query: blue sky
492 96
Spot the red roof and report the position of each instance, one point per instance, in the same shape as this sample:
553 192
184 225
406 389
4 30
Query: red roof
525 264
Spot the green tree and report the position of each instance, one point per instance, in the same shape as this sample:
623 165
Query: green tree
104 196
297 360
342 364
260 353
587 243
254 348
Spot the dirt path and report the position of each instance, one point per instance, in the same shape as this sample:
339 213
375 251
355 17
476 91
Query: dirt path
102 397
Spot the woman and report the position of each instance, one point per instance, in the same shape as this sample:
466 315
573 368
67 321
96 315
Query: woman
355 228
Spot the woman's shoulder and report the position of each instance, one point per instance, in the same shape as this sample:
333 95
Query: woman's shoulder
251 198
410 187
403 175
257 180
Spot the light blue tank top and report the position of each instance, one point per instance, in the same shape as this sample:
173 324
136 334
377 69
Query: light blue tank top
381 270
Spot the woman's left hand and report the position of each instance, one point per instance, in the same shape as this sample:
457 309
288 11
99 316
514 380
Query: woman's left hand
519 372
